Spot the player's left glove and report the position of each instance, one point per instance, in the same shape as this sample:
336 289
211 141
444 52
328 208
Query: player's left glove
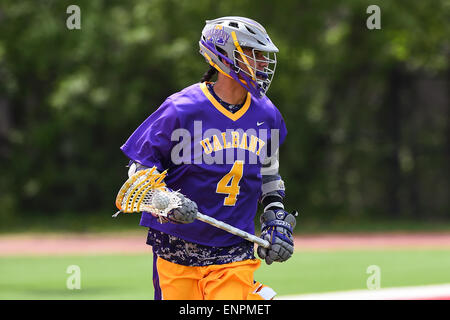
277 227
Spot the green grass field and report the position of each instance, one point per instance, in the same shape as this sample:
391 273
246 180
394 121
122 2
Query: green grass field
129 276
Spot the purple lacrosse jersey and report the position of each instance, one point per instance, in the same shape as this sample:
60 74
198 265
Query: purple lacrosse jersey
213 157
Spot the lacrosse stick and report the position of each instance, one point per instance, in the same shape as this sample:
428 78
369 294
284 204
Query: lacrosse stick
146 191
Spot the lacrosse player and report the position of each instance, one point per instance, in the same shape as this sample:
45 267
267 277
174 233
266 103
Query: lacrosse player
227 136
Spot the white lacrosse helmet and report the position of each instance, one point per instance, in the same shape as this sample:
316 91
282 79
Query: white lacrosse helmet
222 39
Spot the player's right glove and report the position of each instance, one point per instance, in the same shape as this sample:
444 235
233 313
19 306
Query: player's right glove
186 213
277 227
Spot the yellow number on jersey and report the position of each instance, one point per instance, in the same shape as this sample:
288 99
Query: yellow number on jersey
229 184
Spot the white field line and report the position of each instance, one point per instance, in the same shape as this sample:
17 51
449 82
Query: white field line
400 293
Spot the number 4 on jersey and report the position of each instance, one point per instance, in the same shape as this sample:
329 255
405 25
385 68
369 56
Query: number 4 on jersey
229 184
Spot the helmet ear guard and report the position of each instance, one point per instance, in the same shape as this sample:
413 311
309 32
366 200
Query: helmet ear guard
221 44
208 53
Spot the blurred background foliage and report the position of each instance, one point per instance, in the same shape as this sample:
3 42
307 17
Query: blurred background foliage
367 110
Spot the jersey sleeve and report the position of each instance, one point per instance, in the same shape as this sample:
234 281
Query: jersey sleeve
281 126
272 188
277 136
150 143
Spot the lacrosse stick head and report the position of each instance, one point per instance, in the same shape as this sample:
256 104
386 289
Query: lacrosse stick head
146 191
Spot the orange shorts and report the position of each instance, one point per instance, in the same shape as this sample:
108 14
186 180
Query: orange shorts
232 281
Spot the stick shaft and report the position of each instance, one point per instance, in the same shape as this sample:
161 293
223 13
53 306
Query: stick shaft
229 228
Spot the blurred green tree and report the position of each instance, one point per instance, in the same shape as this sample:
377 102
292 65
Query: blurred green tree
367 110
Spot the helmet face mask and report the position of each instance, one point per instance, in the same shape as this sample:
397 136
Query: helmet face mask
258 66
223 43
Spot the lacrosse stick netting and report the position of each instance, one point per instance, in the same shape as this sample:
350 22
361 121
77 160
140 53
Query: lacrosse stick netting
139 192
146 191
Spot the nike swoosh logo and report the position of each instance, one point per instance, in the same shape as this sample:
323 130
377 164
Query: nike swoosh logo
259 123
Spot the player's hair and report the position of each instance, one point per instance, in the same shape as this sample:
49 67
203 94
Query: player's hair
209 74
